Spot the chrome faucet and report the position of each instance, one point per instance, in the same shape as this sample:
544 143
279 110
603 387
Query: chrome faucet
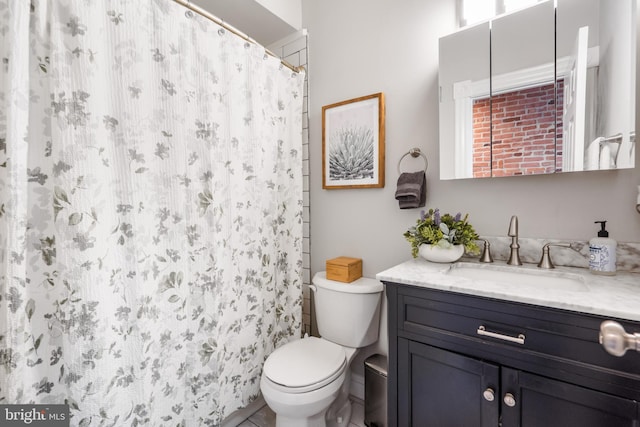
514 258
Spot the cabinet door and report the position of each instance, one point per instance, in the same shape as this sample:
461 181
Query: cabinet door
441 389
542 402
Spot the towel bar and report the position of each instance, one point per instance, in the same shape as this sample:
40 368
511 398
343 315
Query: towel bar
414 152
614 139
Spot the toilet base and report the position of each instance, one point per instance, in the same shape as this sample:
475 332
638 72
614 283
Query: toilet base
303 409
339 412
313 421
342 416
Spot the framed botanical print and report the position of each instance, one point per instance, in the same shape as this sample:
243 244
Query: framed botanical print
353 143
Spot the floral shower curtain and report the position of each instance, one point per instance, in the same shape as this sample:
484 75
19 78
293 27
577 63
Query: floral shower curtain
150 211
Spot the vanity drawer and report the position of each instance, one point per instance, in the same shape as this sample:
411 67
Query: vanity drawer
558 342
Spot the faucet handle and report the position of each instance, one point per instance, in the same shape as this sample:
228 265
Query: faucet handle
545 260
486 252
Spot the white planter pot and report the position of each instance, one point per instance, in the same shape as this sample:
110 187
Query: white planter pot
435 253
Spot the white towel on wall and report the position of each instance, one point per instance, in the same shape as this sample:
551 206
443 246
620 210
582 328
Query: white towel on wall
592 162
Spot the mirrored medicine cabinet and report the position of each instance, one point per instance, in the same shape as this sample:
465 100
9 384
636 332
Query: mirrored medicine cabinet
547 89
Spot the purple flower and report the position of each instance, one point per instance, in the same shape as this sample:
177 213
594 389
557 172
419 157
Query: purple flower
423 215
436 217
457 217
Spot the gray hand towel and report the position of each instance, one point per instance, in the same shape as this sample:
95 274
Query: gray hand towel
411 191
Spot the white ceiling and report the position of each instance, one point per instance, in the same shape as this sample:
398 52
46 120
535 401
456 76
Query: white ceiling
250 17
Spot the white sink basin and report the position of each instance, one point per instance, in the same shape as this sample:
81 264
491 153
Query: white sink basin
519 276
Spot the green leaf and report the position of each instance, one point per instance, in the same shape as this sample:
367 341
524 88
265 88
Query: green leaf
36 345
57 207
30 308
444 228
73 405
75 218
60 194
48 250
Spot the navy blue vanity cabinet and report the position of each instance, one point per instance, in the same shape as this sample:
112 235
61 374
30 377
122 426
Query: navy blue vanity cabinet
458 360
441 388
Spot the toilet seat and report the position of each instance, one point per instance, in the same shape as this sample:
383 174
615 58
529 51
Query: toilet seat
305 365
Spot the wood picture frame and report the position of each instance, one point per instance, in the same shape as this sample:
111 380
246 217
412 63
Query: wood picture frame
353 146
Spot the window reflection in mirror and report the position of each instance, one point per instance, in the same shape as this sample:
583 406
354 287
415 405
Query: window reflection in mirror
474 11
588 124
523 105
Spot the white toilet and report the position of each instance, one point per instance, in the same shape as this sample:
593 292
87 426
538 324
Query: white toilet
306 381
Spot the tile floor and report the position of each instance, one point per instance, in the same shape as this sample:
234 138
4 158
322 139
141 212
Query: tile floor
265 417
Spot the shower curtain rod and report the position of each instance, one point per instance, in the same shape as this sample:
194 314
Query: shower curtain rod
202 12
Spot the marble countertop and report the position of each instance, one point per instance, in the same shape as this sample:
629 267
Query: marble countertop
611 296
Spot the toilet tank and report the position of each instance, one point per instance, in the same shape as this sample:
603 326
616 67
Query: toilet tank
347 313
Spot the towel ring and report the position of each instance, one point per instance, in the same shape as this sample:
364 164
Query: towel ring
414 152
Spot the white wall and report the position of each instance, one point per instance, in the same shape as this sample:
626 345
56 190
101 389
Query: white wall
289 11
265 21
359 47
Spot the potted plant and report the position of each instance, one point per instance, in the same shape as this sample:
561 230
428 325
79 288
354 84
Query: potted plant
442 238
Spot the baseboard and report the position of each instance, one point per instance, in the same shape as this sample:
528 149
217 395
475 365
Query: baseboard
357 386
242 414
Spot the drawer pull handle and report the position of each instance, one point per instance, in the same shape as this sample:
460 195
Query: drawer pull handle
483 331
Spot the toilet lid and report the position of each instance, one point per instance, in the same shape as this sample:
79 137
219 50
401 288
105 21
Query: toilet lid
305 362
